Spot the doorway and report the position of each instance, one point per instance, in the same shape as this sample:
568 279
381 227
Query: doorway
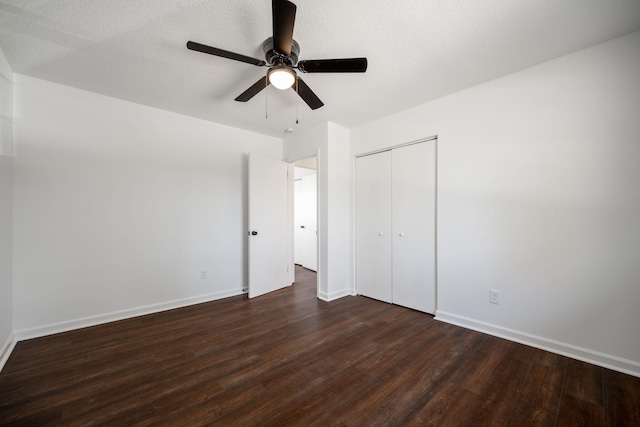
305 217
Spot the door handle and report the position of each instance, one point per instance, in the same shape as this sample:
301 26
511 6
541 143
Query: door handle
253 233
302 226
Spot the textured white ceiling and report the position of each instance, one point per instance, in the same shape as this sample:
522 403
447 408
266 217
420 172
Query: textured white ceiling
418 50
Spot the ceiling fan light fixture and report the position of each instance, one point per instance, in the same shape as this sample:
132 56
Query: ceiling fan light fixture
281 53
281 77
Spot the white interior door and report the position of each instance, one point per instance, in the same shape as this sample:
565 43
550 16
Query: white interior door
268 225
299 221
311 227
414 226
373 226
305 222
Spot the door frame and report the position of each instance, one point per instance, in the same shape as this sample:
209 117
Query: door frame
296 206
320 272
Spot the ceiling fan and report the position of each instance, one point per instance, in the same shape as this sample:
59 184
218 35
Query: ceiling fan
281 56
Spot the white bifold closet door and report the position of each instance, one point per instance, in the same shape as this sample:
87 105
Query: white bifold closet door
414 226
395 226
373 226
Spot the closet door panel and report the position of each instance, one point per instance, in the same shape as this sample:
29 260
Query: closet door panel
414 209
373 226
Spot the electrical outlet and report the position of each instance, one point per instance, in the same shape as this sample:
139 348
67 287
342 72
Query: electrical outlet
203 274
494 296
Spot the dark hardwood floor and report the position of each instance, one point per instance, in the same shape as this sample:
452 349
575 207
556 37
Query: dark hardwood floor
287 358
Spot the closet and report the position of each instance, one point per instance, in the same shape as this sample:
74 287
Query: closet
396 225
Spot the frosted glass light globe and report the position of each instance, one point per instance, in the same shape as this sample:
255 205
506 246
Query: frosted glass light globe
281 77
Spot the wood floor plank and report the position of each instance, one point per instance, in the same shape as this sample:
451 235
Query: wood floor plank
576 412
477 370
445 408
320 408
537 403
407 383
584 381
287 358
496 399
621 399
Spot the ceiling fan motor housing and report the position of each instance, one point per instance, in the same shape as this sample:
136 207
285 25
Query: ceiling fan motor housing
273 57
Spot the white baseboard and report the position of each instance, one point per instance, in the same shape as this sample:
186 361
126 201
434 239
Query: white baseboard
601 359
7 348
335 295
69 325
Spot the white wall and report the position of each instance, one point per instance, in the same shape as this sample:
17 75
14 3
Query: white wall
118 206
331 144
539 197
6 107
6 260
6 210
339 218
6 231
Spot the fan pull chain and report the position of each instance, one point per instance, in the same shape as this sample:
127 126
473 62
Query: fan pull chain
266 98
297 100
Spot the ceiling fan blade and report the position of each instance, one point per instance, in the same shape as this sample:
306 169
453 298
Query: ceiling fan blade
308 96
346 65
223 53
253 90
284 17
